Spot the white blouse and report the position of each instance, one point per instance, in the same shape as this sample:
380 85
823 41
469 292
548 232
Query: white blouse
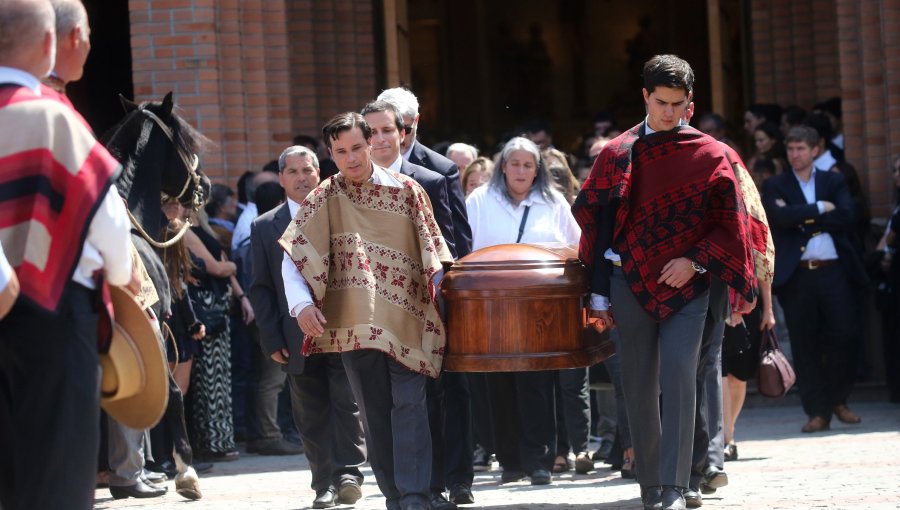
495 220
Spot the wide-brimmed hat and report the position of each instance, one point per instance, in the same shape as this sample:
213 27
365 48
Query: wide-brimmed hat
134 386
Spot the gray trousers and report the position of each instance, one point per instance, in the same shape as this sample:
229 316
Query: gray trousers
270 384
126 454
328 421
659 358
391 399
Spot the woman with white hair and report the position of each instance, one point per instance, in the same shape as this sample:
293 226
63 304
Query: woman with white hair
519 205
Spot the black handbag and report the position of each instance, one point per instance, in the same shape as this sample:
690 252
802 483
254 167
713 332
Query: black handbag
776 375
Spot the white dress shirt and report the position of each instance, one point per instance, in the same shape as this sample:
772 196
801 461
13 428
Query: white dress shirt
821 246
6 271
495 220
20 77
825 161
242 227
296 291
108 244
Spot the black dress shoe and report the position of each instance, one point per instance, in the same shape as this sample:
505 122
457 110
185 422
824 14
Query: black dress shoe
138 490
673 498
439 502
153 476
715 478
325 498
540 477
349 492
651 497
461 494
693 499
509 476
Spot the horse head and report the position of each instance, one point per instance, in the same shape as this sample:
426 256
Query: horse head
158 151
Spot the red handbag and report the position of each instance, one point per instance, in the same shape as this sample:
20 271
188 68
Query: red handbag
776 376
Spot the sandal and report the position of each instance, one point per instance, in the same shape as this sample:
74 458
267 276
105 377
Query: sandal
628 465
561 464
731 452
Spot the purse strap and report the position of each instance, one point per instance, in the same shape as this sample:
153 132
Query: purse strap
769 342
522 223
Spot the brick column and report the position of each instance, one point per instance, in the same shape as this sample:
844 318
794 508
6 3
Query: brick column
251 74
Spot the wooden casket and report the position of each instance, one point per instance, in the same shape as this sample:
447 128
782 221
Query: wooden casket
518 307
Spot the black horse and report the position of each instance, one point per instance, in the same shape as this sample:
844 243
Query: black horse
158 152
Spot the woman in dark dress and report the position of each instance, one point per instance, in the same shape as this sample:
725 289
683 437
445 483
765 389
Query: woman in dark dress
211 374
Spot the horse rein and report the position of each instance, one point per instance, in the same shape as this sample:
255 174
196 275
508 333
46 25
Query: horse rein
191 164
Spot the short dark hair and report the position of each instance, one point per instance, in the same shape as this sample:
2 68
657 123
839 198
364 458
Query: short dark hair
804 134
271 166
536 126
218 197
821 123
768 111
345 122
668 71
832 106
794 115
268 196
306 141
243 183
715 118
384 106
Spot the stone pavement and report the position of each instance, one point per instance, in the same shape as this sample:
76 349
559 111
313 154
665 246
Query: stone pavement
849 467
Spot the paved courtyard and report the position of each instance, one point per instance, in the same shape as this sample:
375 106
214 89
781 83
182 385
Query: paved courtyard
849 467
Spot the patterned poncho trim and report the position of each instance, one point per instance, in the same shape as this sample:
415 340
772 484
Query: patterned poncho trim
53 177
677 197
369 254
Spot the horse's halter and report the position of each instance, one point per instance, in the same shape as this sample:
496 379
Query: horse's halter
190 164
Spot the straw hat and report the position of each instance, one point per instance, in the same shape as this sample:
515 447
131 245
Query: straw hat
134 388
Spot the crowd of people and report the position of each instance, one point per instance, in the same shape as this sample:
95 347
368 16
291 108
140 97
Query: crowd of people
306 315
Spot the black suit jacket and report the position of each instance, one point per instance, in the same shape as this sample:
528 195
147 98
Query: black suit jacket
461 244
435 186
796 222
276 326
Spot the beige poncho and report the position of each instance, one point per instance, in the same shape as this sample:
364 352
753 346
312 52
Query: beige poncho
369 254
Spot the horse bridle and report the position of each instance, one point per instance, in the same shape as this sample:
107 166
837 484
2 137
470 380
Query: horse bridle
191 164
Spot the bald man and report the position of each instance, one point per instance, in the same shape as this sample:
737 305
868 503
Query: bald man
49 398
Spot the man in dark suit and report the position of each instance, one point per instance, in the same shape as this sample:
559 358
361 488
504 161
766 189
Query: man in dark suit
324 408
810 212
449 409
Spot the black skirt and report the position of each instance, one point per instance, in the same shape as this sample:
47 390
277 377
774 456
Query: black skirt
740 347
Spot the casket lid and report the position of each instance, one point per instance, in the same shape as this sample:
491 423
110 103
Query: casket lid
519 256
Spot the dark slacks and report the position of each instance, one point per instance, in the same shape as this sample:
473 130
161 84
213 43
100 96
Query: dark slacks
573 410
49 405
450 420
708 427
328 420
482 429
523 412
659 358
391 399
818 310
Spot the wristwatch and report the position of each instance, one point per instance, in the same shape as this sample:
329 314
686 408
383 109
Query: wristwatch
697 267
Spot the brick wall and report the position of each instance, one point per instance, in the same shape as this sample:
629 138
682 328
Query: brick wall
251 74
805 51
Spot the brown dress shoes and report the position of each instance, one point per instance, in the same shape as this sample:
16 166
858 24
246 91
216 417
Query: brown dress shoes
844 414
816 424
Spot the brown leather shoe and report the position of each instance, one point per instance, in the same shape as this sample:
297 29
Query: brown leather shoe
816 424
844 414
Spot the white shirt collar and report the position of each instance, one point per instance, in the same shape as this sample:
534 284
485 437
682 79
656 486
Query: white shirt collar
649 130
293 207
534 197
810 182
20 77
395 166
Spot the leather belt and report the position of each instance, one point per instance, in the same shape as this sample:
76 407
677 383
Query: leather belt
811 265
